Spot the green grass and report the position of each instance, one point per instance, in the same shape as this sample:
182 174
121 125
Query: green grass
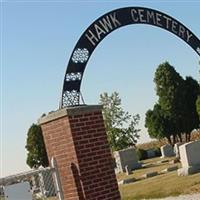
163 185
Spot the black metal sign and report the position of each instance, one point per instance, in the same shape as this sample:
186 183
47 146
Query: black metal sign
104 25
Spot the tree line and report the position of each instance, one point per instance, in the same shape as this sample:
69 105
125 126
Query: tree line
175 114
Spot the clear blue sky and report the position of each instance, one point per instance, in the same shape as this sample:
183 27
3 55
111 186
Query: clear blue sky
37 40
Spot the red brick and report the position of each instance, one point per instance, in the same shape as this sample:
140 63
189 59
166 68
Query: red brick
81 139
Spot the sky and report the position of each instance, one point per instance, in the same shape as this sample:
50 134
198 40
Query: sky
37 39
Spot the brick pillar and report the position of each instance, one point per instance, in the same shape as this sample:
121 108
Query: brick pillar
76 138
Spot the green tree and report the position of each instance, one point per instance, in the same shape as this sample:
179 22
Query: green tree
169 88
190 119
198 98
158 124
35 146
120 125
176 113
198 106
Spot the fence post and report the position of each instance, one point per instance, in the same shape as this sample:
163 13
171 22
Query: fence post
57 179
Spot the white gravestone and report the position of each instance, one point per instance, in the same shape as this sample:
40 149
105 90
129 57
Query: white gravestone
176 149
127 157
167 151
190 158
19 191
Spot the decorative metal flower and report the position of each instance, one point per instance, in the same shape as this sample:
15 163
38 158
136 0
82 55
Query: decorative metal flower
198 50
73 76
80 55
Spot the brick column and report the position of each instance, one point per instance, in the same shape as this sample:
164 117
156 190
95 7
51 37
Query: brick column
76 138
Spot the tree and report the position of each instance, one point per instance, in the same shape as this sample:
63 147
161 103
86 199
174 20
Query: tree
175 112
35 146
190 116
120 125
198 106
198 99
169 88
158 124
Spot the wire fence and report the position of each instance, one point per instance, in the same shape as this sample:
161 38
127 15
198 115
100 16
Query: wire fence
38 184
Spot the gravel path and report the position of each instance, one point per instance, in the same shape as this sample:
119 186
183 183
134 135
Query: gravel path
183 197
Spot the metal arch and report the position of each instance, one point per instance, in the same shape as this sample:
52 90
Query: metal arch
104 25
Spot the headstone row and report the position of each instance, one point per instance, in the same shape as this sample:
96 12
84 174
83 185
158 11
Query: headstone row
188 153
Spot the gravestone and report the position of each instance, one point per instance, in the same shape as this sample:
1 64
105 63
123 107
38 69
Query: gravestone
127 157
150 174
190 158
126 181
170 169
167 151
128 170
151 153
176 149
174 161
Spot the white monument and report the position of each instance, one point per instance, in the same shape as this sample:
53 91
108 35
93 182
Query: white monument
190 158
176 149
167 151
126 158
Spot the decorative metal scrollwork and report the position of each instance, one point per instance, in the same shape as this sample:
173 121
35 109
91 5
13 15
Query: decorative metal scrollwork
73 76
70 98
103 26
198 50
80 55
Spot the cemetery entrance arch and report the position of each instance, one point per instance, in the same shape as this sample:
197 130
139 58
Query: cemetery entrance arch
75 135
104 25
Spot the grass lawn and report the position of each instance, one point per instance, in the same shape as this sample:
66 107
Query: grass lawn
163 185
